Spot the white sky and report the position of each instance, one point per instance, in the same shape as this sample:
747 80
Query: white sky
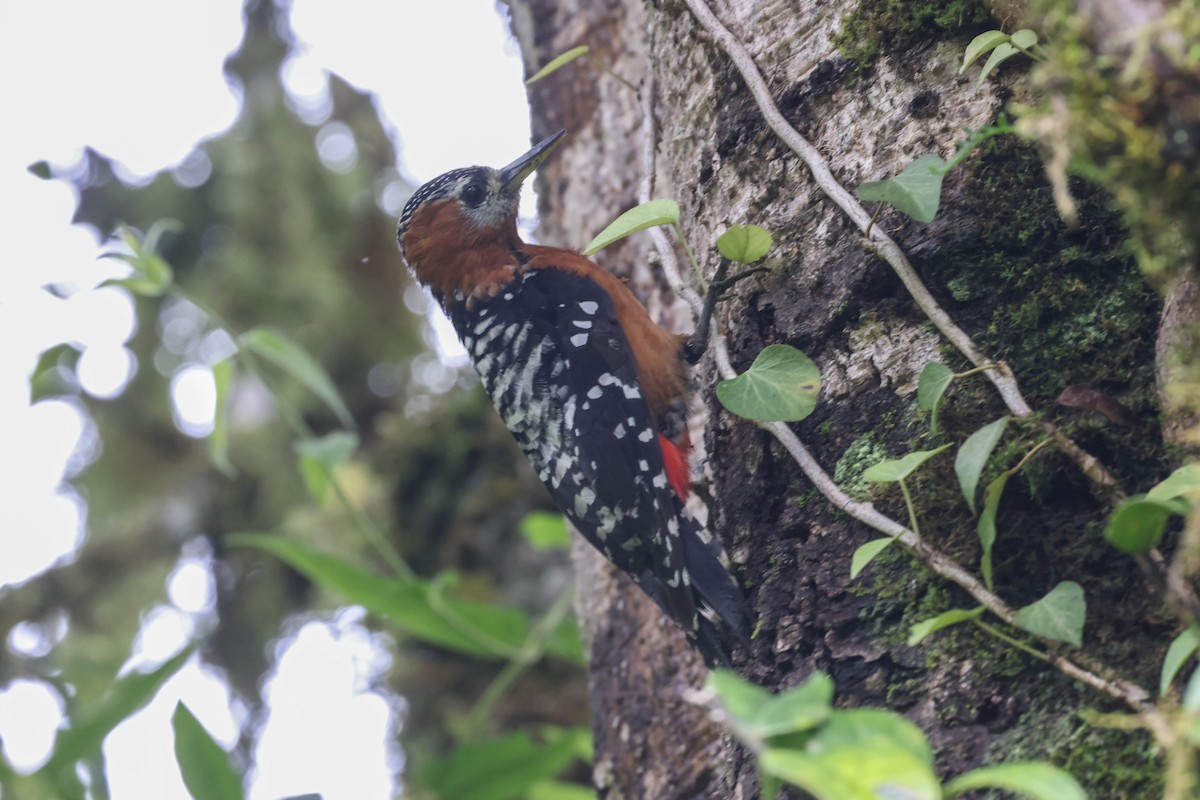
141 81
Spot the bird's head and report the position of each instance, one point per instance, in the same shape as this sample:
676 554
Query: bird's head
462 210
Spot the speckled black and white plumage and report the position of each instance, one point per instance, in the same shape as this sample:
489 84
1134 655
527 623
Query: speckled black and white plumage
560 372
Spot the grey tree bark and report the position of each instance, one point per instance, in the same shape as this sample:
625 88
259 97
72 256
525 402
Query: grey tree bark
872 89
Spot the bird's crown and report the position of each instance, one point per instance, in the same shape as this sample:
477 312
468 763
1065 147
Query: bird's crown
486 197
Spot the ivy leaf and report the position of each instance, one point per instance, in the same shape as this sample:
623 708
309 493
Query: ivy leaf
917 191
943 620
973 456
987 524
647 215
900 468
1181 649
1139 522
931 386
860 754
742 700
293 359
983 43
781 385
1059 615
557 62
866 553
205 767
800 708
1182 482
744 244
1035 779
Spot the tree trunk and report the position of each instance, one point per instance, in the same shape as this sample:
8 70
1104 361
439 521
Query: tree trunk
873 86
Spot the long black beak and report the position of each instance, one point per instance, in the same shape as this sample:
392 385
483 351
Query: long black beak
515 173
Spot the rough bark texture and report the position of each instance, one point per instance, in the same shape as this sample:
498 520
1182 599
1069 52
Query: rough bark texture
873 89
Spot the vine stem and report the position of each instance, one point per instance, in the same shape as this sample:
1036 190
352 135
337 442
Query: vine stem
912 512
991 630
879 242
1127 692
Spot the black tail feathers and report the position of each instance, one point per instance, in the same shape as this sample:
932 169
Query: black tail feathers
724 619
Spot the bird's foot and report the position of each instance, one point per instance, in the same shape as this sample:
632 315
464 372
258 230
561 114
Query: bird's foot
696 344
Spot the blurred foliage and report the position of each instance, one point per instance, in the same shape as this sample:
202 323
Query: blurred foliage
267 238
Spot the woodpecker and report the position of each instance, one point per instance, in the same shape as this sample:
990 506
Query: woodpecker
593 391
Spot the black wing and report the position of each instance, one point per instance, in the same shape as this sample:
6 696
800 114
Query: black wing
560 371
604 465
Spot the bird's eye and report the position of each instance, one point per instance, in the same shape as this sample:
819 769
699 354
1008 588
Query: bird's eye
473 194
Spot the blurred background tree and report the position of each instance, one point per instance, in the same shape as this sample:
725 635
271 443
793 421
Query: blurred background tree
284 222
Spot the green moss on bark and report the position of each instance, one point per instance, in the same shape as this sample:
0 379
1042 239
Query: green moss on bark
879 26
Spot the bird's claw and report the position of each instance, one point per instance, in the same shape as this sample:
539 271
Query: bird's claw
695 345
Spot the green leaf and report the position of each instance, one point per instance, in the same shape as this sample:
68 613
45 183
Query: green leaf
557 62
156 231
1001 54
152 275
866 553
861 754
1182 648
417 607
770 785
218 441
205 767
744 244
931 386
127 695
781 385
898 469
320 456
756 715
1024 39
987 524
281 351
1059 615
546 530
742 700
797 709
973 456
151 278
54 374
557 790
1182 482
647 215
983 43
1035 779
916 191
503 768
1191 698
1139 522
943 620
